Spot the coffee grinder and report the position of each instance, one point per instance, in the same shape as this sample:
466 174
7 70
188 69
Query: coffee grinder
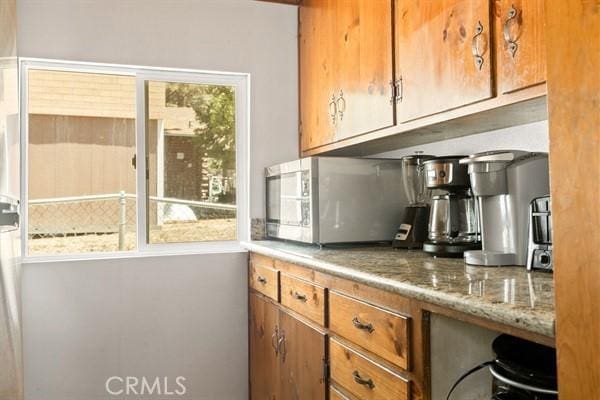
412 232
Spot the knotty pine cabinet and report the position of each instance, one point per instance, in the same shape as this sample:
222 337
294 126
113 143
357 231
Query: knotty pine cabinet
320 336
373 70
521 44
444 57
346 69
287 356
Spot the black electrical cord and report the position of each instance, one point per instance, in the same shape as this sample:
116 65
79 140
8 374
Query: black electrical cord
466 374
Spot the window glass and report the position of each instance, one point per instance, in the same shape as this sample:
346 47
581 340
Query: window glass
81 179
191 153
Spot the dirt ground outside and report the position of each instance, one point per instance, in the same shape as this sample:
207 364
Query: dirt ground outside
197 231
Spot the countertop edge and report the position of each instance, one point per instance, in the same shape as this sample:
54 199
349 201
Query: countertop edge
452 302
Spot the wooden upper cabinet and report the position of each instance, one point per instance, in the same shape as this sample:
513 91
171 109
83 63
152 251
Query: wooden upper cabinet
302 357
364 54
521 47
264 371
317 71
346 69
443 57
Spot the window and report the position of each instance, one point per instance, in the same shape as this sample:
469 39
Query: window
124 159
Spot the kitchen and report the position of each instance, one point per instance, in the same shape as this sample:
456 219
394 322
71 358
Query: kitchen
323 78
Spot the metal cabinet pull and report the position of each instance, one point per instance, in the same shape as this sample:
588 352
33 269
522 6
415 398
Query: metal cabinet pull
333 109
281 346
341 105
393 96
512 43
361 325
262 279
362 381
300 297
275 340
477 56
399 90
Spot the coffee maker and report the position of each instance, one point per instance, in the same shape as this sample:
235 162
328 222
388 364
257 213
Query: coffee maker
504 183
453 227
413 229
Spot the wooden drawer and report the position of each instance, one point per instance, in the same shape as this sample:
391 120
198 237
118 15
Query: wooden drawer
364 378
382 332
335 394
304 298
264 280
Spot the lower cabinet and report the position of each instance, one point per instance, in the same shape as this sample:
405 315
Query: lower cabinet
314 337
287 356
264 357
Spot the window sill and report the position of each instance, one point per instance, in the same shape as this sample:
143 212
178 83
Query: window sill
154 251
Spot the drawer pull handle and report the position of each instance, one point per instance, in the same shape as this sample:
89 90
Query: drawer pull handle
362 381
361 325
262 279
299 297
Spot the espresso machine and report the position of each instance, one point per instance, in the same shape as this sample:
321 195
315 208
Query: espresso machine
453 227
412 232
504 184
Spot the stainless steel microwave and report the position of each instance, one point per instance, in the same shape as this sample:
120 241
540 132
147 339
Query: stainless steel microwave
334 200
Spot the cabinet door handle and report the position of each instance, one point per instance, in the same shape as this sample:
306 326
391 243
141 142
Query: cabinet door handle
399 90
512 19
333 109
477 55
341 105
362 326
275 340
281 346
261 279
394 92
299 297
362 381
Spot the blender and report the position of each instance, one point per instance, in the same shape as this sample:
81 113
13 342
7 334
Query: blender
412 232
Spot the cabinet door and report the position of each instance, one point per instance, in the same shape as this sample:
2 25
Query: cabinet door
443 55
264 368
301 360
521 47
364 54
317 109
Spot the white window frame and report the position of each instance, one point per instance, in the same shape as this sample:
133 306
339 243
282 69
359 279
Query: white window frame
241 83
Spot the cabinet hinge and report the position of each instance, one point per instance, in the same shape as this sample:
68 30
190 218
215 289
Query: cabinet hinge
325 370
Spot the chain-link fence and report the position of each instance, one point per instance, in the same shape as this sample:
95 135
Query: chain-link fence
108 223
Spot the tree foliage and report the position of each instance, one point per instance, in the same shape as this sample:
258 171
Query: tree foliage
214 106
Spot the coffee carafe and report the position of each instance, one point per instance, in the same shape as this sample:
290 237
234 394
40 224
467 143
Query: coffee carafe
504 184
453 225
412 232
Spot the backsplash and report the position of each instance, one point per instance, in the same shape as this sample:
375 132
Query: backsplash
530 137
258 229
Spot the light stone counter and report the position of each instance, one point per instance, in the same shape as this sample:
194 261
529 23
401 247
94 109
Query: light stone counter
507 295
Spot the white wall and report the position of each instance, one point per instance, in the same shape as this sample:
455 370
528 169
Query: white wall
220 35
158 316
530 137
85 321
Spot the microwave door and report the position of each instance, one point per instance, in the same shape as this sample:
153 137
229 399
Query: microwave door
274 199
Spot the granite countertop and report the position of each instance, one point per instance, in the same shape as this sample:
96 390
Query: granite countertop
508 295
